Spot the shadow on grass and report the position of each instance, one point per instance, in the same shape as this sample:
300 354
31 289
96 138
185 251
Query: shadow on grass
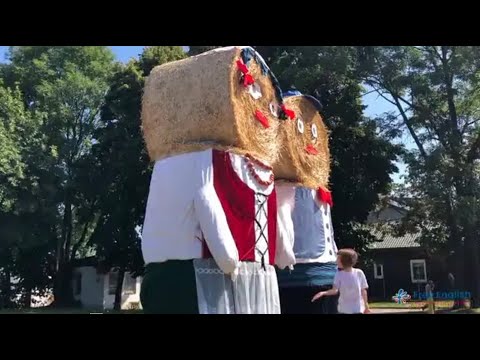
459 311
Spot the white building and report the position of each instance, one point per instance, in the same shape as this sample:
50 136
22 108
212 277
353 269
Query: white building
96 290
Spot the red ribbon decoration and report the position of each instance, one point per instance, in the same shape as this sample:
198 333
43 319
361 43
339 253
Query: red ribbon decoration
242 67
262 118
248 80
325 196
290 113
247 77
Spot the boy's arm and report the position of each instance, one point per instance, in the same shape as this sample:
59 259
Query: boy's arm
364 285
365 300
332 291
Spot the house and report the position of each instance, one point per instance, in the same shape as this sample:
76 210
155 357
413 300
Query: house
400 262
95 289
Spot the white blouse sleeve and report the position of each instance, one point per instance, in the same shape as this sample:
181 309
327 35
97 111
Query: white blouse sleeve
213 221
284 255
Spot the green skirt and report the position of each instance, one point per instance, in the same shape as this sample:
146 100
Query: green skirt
169 288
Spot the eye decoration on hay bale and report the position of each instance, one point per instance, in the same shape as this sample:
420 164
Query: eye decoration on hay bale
226 99
304 155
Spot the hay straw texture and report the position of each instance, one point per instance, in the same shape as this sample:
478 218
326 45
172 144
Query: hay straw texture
295 164
200 103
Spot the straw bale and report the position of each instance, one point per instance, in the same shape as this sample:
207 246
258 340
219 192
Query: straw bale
199 103
295 164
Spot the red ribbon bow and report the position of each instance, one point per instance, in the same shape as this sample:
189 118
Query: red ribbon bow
325 196
247 77
248 80
289 113
242 67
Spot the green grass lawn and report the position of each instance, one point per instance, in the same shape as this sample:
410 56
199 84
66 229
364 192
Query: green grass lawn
440 307
409 305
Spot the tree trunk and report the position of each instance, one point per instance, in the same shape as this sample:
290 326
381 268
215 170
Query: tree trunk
67 227
27 300
473 268
63 291
118 292
455 244
63 278
6 289
459 261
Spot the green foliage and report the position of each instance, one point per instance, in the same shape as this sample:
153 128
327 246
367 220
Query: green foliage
63 88
436 90
117 172
362 160
12 167
157 55
24 225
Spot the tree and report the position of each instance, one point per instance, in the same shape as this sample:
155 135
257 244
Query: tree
362 157
436 92
118 168
67 85
24 215
12 169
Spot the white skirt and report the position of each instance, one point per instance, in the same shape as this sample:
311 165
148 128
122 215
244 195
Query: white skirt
254 291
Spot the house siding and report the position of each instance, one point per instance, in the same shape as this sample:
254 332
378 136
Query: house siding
127 299
91 295
396 273
94 293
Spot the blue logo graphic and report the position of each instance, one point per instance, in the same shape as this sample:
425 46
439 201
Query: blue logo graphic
401 297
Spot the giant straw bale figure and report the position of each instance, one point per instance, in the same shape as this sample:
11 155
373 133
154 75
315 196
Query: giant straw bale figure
209 240
304 205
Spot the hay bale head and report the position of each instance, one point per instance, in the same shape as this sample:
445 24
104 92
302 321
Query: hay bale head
226 99
304 156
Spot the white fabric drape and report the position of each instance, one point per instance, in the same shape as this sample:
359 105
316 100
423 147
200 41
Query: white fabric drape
254 290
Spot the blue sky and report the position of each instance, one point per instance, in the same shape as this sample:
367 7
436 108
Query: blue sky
375 105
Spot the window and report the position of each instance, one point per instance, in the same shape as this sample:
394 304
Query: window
418 271
129 284
112 282
378 271
77 283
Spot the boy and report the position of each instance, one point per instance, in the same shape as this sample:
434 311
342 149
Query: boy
350 283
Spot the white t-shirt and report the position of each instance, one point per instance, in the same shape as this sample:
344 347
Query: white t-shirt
350 285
